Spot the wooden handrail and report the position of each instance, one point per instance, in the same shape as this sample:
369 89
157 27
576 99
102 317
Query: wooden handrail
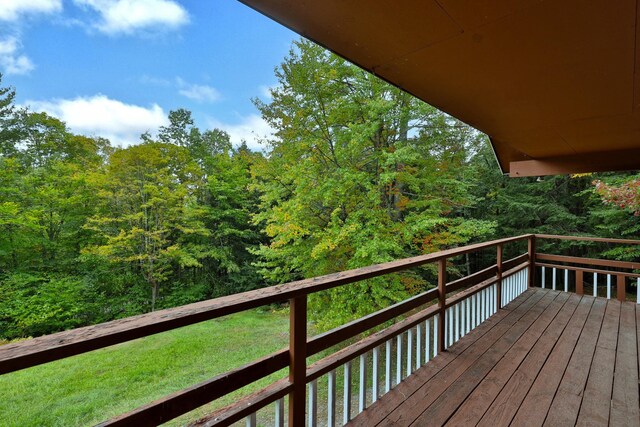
340 357
588 239
183 401
200 394
472 279
509 264
482 285
45 349
588 261
68 343
352 329
254 402
587 269
246 406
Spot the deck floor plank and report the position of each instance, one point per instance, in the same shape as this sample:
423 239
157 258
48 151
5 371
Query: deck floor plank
495 365
511 377
485 331
564 375
501 337
624 402
547 358
596 403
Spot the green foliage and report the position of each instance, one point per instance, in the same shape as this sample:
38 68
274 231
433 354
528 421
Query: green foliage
148 212
118 230
359 173
32 305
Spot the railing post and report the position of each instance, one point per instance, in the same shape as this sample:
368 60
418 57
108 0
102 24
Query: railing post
297 359
532 260
579 283
499 277
442 296
620 289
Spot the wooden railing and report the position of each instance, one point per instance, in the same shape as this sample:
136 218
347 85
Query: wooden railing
425 325
575 274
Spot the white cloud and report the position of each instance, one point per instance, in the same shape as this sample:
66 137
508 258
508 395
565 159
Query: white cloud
11 62
11 10
200 93
251 129
131 16
101 116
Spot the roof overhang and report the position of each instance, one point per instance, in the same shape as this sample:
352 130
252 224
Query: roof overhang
555 84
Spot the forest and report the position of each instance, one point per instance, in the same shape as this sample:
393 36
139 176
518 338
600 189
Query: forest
358 172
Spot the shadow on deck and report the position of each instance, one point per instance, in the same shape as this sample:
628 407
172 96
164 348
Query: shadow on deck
547 358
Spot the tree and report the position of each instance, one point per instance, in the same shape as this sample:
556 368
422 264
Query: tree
149 212
358 173
625 195
9 130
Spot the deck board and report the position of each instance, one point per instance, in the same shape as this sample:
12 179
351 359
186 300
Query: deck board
506 405
498 391
596 403
565 407
624 402
548 358
378 411
501 359
501 337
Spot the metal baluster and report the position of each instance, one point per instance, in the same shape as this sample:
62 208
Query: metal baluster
346 402
250 421
427 342
566 280
387 370
553 279
313 404
468 315
487 302
418 345
474 316
398 359
331 399
435 336
362 401
409 351
457 323
543 278
595 284
375 376
450 320
494 291
608 286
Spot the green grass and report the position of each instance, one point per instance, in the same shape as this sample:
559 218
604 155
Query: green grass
89 388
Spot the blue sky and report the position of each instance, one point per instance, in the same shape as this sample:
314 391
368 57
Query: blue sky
115 68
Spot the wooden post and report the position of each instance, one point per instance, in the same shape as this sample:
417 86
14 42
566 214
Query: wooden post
532 260
579 283
621 288
297 359
442 296
499 277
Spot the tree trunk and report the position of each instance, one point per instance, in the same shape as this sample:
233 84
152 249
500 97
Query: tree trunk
154 295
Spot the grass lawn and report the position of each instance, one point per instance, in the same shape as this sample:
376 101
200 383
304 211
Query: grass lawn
89 388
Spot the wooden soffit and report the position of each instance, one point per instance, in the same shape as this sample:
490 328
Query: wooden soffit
555 84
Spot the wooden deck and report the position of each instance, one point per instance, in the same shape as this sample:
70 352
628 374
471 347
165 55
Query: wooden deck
548 358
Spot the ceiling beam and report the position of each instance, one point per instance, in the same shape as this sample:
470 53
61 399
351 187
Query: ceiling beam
578 163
